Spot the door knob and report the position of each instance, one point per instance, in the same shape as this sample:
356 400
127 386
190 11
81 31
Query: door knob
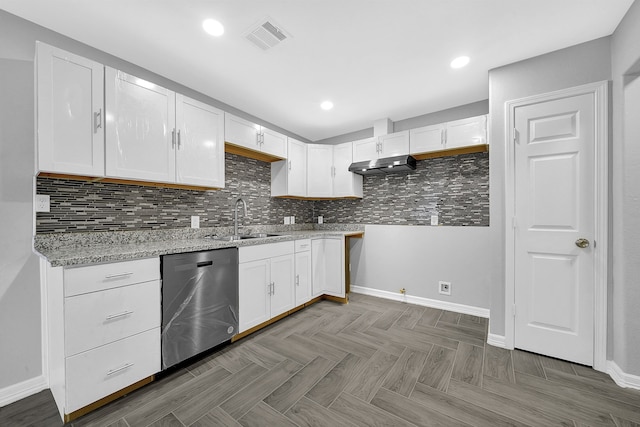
582 243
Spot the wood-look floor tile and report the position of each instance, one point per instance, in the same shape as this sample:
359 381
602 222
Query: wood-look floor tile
216 418
556 406
437 368
404 374
412 411
387 319
368 380
332 384
363 414
450 317
375 342
347 344
430 335
340 322
317 347
263 415
473 321
467 366
319 325
168 420
283 397
621 422
527 363
199 405
557 365
363 322
258 354
120 423
284 348
241 402
410 317
587 372
412 338
463 330
450 333
168 402
306 412
563 386
230 360
498 363
430 317
38 410
527 413
459 409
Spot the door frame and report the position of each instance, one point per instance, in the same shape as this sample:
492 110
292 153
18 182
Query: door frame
600 90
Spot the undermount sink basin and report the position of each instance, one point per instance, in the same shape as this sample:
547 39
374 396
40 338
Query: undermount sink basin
243 237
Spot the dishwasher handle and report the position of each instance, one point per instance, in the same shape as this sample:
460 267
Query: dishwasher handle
204 264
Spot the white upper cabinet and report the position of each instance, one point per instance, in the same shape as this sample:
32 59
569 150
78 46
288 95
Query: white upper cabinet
427 138
289 177
466 132
319 170
141 134
345 183
154 134
393 144
245 134
200 143
463 133
70 113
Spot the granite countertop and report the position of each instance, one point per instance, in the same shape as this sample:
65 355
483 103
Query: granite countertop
75 249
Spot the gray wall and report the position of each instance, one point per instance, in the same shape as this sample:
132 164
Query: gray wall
625 174
584 63
20 346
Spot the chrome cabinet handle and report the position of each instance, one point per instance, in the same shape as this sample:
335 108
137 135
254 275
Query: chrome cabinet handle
121 368
582 243
289 164
273 287
297 280
97 120
179 140
118 276
115 316
173 138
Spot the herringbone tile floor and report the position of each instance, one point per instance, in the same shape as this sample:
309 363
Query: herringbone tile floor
372 362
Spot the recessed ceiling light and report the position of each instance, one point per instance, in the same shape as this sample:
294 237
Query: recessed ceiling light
326 105
460 62
213 27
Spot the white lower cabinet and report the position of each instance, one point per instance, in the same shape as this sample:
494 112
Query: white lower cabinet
104 329
327 266
266 283
303 271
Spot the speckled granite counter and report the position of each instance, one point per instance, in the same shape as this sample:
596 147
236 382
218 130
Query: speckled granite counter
70 249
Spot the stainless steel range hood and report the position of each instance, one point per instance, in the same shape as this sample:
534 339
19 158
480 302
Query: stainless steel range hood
383 166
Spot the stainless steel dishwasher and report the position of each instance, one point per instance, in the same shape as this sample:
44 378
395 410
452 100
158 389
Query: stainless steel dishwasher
199 302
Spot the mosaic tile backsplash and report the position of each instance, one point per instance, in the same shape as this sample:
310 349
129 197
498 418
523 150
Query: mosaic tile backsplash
457 188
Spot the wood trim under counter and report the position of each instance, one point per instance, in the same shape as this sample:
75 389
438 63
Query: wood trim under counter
124 181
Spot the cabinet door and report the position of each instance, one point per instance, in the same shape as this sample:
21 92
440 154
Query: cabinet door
241 132
426 139
253 294
273 143
334 266
140 126
345 183
283 288
70 112
365 149
318 273
394 144
319 170
466 132
297 168
303 277
199 143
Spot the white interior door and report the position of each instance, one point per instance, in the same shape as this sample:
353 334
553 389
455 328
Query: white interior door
554 218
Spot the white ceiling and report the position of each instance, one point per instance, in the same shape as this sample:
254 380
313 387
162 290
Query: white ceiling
372 58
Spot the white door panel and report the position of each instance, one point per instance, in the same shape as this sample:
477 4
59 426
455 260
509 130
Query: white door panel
554 201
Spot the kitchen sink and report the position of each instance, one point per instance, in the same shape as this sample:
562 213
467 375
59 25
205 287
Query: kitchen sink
234 238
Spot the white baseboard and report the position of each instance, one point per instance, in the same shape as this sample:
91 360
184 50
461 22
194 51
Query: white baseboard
433 303
621 378
21 390
497 340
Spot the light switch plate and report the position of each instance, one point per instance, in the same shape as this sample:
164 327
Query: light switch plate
293 219
287 220
43 203
320 219
195 221
434 219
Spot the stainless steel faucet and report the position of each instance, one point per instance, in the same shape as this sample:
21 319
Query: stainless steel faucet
235 215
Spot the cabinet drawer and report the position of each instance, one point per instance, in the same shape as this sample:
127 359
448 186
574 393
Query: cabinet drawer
269 250
97 373
98 318
303 245
82 280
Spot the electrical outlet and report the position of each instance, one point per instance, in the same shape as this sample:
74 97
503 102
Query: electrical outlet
444 288
293 219
42 203
320 219
434 219
403 291
195 221
287 220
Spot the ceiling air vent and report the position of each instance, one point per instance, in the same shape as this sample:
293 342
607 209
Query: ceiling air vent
266 34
